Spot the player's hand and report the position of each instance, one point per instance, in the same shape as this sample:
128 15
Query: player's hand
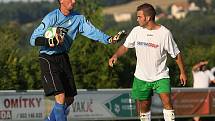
60 33
59 38
112 61
55 36
118 37
204 62
183 79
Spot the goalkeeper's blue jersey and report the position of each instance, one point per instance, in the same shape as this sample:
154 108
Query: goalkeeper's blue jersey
75 23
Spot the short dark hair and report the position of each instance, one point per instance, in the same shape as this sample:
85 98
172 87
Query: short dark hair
148 10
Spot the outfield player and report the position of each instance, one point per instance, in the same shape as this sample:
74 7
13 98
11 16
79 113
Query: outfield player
57 78
202 77
152 42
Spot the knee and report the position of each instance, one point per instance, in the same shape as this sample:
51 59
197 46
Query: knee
60 98
143 106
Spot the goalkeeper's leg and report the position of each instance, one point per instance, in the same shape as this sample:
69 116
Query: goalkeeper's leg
69 101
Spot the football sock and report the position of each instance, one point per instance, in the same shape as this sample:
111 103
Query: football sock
168 115
59 112
145 116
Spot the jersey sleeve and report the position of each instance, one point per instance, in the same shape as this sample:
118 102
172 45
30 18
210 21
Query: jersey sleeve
213 71
130 40
210 75
40 30
170 46
90 31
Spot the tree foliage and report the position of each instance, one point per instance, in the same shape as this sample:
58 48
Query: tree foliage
24 12
18 70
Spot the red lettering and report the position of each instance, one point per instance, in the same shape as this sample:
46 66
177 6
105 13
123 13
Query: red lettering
14 103
31 103
6 103
22 102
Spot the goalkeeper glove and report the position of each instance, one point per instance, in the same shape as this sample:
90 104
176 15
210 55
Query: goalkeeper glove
118 37
55 35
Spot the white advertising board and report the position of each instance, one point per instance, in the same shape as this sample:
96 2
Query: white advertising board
21 106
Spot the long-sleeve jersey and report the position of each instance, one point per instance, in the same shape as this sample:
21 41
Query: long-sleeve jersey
75 23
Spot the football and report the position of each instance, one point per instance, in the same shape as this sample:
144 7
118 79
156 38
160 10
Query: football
50 32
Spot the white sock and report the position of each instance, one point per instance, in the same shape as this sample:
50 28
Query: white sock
145 116
168 115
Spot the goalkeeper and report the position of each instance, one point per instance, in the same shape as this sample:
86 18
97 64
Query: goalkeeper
55 35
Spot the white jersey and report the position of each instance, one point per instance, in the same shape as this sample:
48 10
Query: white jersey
151 48
202 78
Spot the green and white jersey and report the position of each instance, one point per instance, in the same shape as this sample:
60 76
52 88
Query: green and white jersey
151 48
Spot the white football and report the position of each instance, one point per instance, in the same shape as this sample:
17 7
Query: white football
50 32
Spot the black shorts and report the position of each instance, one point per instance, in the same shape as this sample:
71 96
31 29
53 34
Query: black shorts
56 74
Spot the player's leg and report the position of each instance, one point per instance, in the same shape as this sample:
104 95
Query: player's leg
59 107
143 109
68 102
164 90
52 85
166 101
142 92
58 111
68 83
168 108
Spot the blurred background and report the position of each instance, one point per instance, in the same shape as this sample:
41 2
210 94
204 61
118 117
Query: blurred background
190 21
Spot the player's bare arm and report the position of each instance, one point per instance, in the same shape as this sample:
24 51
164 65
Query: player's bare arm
183 75
121 51
197 66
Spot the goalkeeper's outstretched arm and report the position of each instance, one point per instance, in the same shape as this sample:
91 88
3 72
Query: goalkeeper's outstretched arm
118 37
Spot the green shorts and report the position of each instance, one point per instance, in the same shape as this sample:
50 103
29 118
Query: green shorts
143 90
